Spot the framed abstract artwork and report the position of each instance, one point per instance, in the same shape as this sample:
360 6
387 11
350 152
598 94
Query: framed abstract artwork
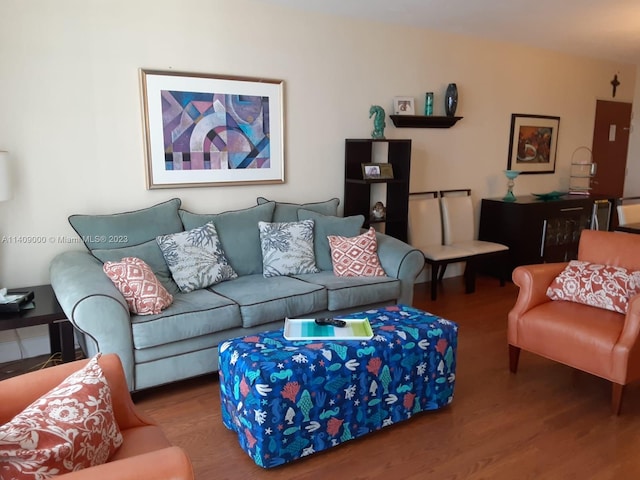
207 130
533 143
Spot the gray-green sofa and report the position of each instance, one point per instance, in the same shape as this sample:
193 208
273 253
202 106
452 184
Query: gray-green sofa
182 340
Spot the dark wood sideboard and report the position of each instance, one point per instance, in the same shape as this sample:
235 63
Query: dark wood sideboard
540 231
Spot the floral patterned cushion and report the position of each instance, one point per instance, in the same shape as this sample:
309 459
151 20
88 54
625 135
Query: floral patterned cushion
596 285
356 256
142 290
70 428
196 258
287 248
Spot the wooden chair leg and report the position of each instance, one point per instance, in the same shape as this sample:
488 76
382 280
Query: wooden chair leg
470 277
443 268
434 281
616 397
514 357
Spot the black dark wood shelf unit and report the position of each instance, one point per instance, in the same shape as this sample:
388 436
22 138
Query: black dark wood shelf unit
423 121
357 193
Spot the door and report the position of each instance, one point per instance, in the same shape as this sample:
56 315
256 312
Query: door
610 145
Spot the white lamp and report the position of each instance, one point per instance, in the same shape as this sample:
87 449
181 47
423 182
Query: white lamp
5 177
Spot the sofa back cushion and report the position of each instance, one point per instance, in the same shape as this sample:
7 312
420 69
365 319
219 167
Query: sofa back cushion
238 233
325 225
288 212
110 238
129 228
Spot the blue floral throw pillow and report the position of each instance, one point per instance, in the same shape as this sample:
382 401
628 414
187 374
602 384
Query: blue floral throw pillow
196 258
287 248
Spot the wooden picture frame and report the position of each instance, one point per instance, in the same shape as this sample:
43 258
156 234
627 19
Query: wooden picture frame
404 105
533 143
377 171
211 130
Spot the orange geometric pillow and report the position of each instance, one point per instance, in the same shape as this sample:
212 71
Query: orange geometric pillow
356 256
70 428
142 290
600 286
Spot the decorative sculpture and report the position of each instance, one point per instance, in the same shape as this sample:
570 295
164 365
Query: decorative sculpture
378 121
379 211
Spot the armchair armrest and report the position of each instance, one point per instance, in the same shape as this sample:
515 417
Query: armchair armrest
402 261
170 463
94 305
533 281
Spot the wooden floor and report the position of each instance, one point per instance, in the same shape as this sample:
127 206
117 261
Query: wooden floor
546 422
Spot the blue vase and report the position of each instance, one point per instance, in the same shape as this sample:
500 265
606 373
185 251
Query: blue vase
451 100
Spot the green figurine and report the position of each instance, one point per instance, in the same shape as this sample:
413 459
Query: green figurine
378 121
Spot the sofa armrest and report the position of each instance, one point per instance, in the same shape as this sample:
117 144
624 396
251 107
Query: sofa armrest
94 305
402 261
170 463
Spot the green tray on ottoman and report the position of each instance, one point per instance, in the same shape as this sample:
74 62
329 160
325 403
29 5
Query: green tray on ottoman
288 399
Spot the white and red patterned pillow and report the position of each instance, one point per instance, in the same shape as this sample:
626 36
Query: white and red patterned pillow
600 286
356 256
70 428
142 290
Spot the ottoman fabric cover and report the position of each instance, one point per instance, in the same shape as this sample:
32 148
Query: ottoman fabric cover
289 399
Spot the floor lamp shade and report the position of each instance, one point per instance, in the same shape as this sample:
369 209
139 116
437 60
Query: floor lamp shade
5 177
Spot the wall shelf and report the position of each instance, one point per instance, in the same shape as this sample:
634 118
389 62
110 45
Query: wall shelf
423 121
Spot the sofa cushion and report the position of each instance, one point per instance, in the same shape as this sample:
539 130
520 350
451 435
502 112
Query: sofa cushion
192 314
600 286
356 256
238 232
143 292
129 228
287 248
70 428
264 300
110 238
195 258
325 225
348 292
288 212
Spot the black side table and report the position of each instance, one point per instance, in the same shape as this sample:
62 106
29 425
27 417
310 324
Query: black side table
47 311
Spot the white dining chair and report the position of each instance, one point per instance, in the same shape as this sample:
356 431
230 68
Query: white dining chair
425 234
628 212
459 231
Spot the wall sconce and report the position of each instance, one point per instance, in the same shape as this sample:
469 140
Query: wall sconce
5 177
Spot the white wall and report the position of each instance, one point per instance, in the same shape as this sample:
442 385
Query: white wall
70 105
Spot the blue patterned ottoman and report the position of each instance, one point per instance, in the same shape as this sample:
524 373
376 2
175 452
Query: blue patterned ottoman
288 399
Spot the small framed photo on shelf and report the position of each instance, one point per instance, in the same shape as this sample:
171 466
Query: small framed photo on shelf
377 171
370 170
404 106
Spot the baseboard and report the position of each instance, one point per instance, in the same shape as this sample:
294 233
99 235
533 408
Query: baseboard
31 347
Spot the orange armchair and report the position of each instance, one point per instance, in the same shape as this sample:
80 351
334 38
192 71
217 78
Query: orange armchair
594 340
145 453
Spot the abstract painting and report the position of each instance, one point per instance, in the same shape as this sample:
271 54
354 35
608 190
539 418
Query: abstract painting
204 130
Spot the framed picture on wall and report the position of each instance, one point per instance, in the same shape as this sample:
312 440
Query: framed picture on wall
207 130
533 143
404 106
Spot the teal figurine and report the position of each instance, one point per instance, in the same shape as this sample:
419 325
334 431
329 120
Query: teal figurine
378 121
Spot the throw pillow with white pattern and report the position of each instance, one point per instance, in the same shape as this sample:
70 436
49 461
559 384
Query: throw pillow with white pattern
287 248
196 258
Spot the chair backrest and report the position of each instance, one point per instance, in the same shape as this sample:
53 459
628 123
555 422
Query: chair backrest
425 222
457 219
628 213
610 248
